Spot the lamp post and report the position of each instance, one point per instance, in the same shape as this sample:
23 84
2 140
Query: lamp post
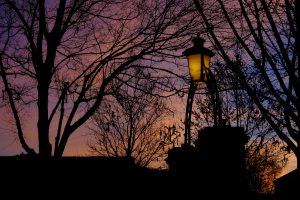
198 61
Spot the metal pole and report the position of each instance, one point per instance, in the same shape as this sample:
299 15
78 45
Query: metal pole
213 90
188 113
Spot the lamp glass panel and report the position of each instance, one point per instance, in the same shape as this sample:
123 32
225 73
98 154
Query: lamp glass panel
195 68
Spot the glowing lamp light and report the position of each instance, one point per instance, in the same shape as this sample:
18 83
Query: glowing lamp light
198 61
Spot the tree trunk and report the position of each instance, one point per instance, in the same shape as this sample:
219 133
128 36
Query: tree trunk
63 142
43 123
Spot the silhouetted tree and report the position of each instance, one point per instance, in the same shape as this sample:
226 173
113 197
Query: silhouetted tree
266 36
129 124
265 160
64 56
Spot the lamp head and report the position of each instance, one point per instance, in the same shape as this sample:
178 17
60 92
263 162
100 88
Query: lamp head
198 59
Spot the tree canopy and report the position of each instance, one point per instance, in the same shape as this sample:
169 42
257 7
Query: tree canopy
66 56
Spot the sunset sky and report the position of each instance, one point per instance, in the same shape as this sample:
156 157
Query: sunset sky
71 57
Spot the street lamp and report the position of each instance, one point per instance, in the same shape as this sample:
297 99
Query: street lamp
198 61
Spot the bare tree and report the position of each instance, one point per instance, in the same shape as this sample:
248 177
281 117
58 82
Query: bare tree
130 123
65 56
265 160
266 36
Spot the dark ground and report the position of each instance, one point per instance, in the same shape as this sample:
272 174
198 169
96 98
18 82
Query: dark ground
100 178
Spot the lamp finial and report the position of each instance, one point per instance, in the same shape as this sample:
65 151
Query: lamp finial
198 41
